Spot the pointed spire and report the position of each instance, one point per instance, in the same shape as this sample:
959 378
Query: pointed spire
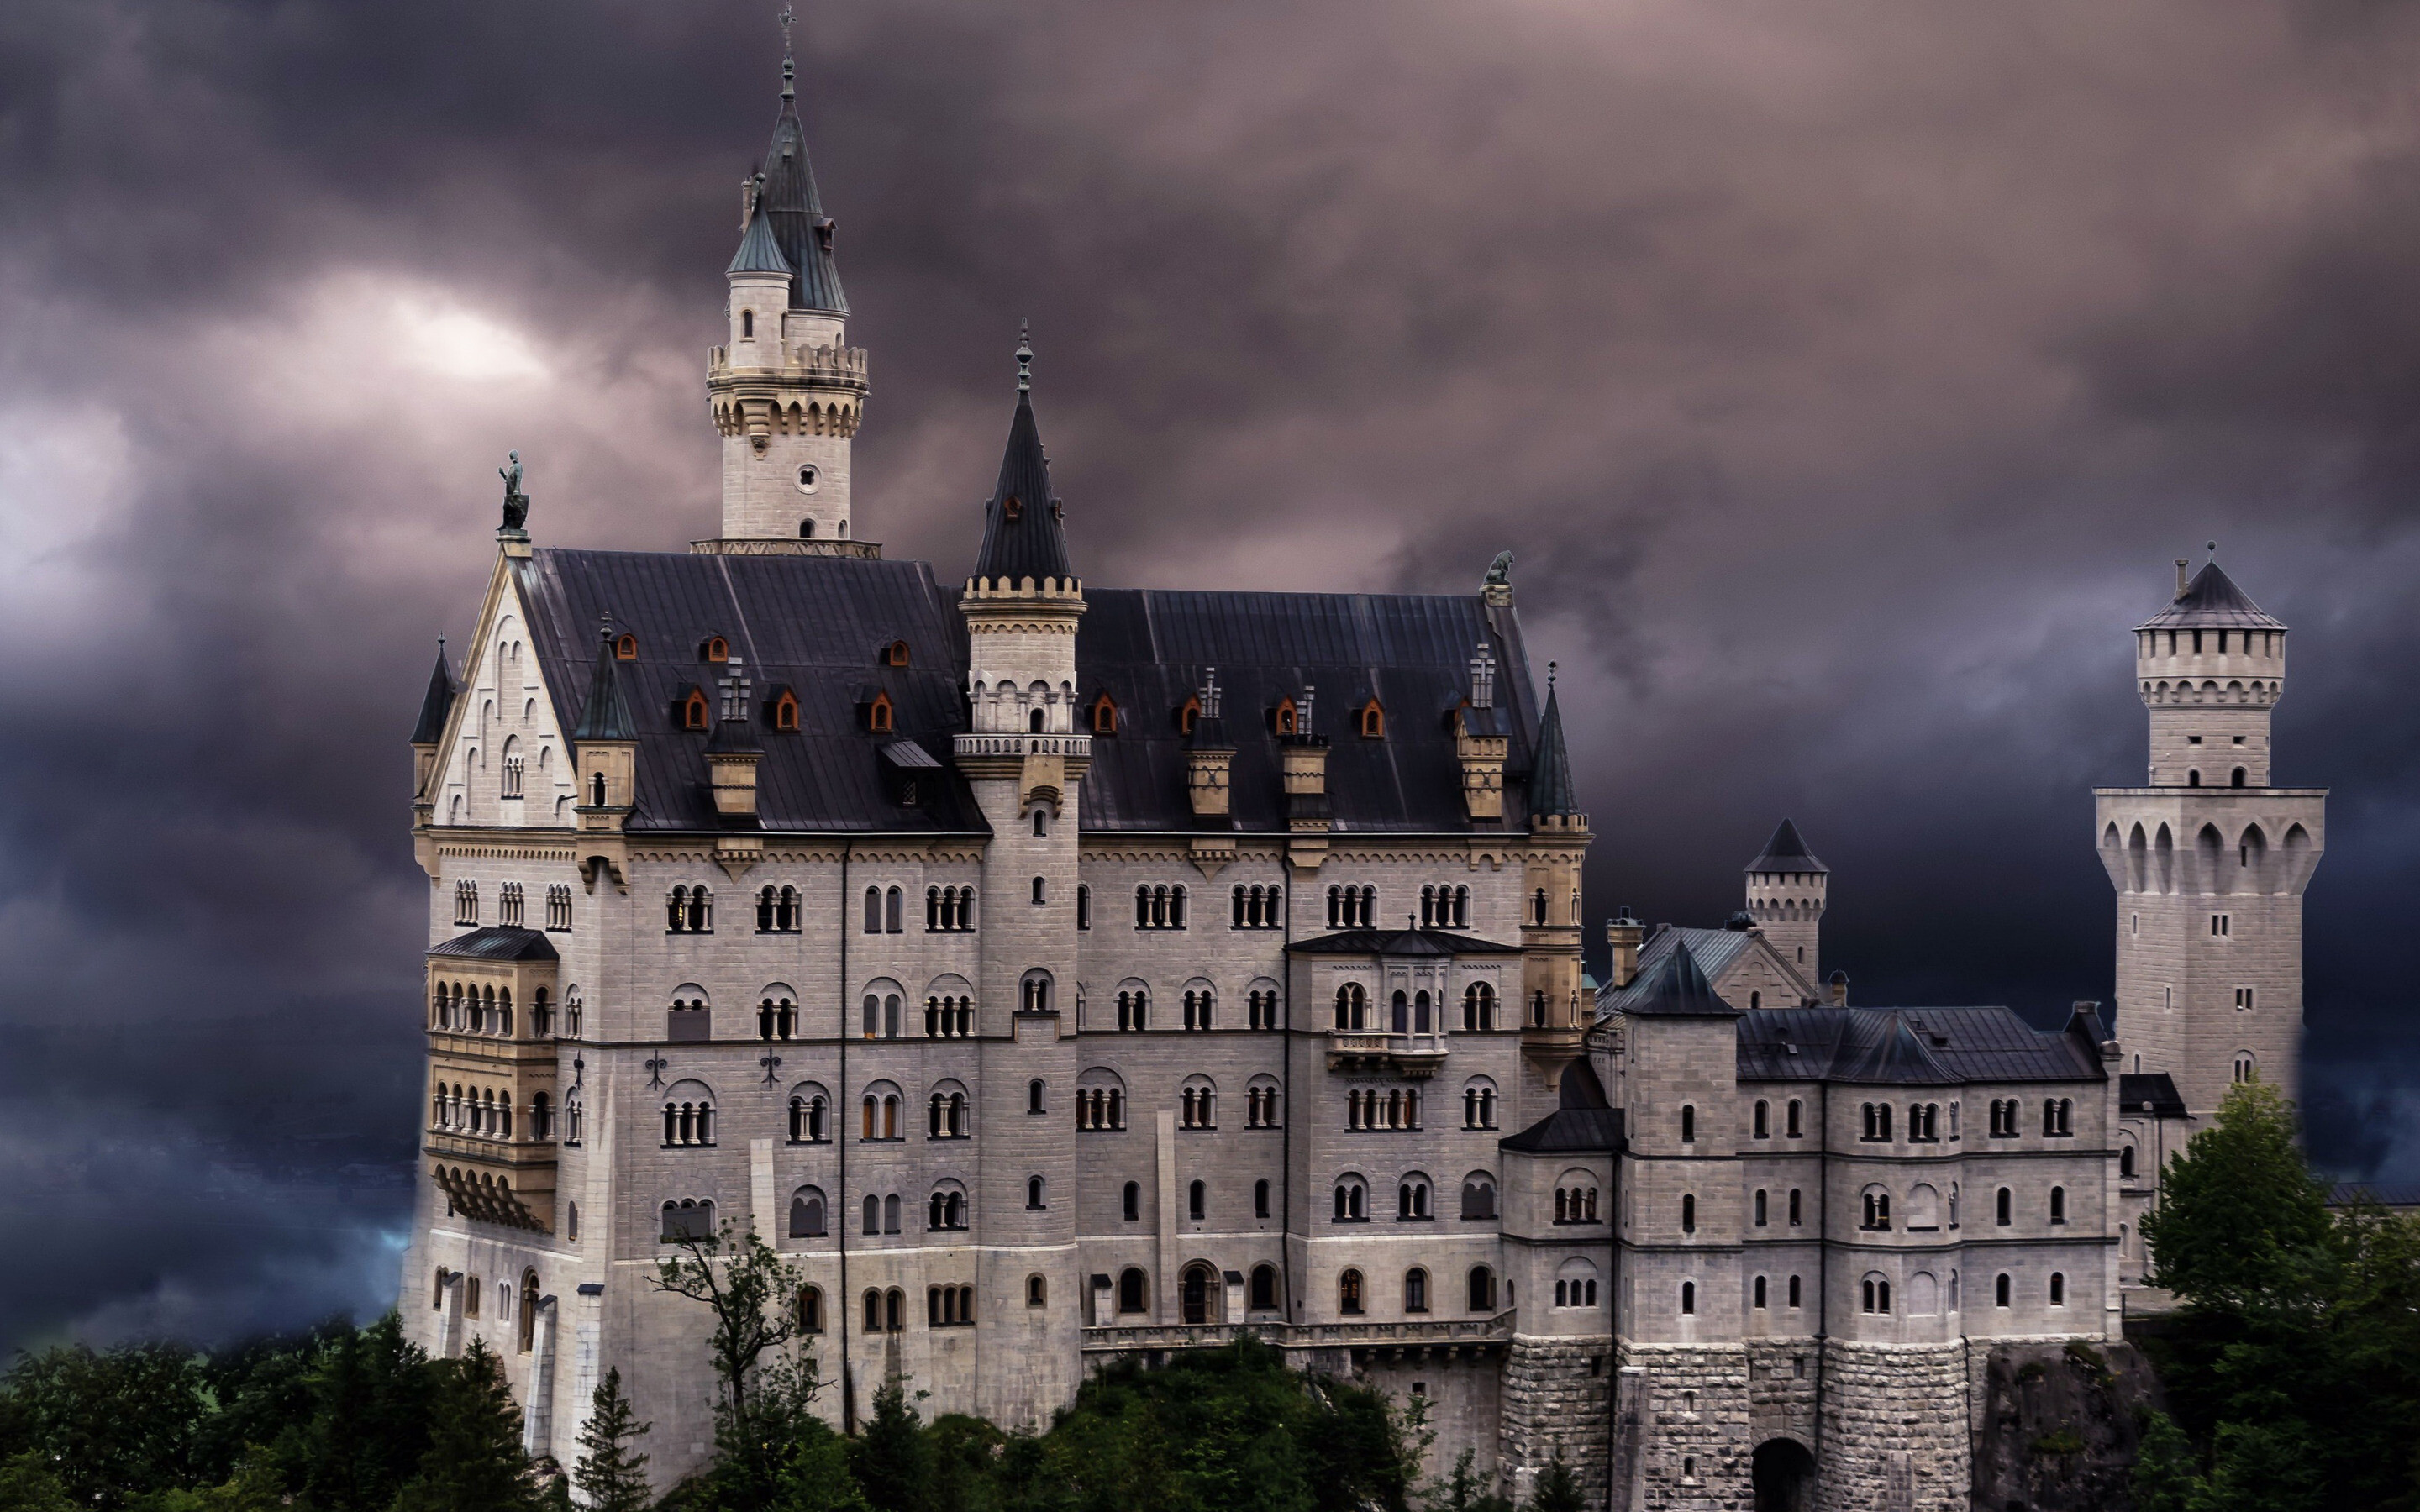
1551 789
1786 852
436 704
788 198
760 251
1678 988
1022 534
2212 601
607 716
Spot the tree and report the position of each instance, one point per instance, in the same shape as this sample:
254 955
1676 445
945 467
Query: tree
2241 1223
368 1425
1464 1491
1558 1490
893 1464
26 1485
610 1477
475 1462
764 1386
114 1425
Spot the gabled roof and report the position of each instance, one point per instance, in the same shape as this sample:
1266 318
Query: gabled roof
1786 852
1675 987
498 942
606 715
2152 1092
1022 535
1920 1046
1551 789
437 703
760 251
2211 602
788 199
1399 941
1569 1131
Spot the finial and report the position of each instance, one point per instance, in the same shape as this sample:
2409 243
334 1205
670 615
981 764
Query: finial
2213 550
1024 358
1550 677
789 65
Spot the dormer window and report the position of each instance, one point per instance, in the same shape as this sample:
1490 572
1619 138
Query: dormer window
1010 509
1104 715
785 711
715 649
1286 721
877 714
692 711
1187 715
893 655
1374 721
625 648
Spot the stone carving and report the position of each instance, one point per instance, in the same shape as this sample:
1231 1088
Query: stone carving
1499 571
516 502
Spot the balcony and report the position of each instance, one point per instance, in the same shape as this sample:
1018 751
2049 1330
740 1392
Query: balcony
1416 1055
1345 1333
1079 747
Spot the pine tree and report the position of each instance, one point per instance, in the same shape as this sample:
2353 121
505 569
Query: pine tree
1559 1490
892 1461
475 1462
610 1476
369 1420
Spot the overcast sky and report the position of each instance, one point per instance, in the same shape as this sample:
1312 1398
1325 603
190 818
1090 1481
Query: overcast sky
1844 374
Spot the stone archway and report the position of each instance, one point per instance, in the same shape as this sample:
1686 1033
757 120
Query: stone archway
1200 1296
1784 1476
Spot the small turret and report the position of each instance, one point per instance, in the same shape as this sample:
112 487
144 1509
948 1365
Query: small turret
2209 667
1550 933
1024 544
1786 892
607 743
435 705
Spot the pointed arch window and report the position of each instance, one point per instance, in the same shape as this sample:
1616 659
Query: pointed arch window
1104 715
785 712
690 712
878 714
1372 718
1285 720
1188 713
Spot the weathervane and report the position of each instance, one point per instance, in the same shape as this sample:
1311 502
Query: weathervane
1024 358
787 16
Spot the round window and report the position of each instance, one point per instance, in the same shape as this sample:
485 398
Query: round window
808 478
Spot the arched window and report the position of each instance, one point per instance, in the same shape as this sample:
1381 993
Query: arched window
1035 1093
1033 992
1689 1298
1351 1200
895 654
2000 1290
1131 1205
1197 1200
1478 1008
1793 1292
1688 1212
1260 1198
1758 1300
1480 1289
1876 1204
807 1213
1415 1290
1037 1290
1374 721
692 711
2058 1289
878 714
2126 1162
1034 1194
810 1309
1873 1294
785 712
2004 1207
1412 1198
1689 1124
1793 1129
1760 1123
1759 1208
1263 1296
1132 1289
689 1220
1348 1293
1104 715
2058 1204
625 648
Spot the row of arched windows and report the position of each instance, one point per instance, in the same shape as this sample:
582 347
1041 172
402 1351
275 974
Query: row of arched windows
1350 1200
1445 907
1159 906
469 1008
1352 907
1257 906
1395 1109
1478 1291
777 910
690 911
1923 1122
485 1112
949 910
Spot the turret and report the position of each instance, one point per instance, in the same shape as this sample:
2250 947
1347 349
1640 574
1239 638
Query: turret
435 705
1553 1014
607 743
1480 740
2209 667
786 388
1787 888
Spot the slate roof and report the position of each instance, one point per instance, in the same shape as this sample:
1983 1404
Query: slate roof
437 703
1022 532
2212 601
1674 987
814 624
760 251
1786 852
1573 1130
789 200
1919 1046
606 714
1714 949
2398 1196
1399 941
498 942
1551 789
2152 1092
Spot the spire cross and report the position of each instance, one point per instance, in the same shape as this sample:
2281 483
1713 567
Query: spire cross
787 16
1024 358
789 65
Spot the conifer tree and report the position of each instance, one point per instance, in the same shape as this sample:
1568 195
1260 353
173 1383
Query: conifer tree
475 1462
610 1476
892 1461
1558 1490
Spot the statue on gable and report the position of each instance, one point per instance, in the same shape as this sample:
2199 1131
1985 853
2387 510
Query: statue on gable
1499 571
516 502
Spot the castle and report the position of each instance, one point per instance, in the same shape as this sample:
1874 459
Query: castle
1058 973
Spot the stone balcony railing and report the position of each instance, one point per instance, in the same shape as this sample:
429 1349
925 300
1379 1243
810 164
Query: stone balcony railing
1344 1334
1409 1055
1024 744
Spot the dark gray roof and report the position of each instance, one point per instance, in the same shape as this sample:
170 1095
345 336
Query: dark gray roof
1022 535
2150 1092
1786 852
2386 1195
1551 788
814 624
2212 601
436 704
1674 987
1148 650
800 225
1573 1130
1399 941
759 251
1714 949
1916 1046
498 942
606 714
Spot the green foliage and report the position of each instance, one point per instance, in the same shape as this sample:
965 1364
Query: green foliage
112 1427
2294 1369
1462 1491
2062 1440
892 1462
1558 1490
475 1462
367 1423
611 1475
764 1384
28 1485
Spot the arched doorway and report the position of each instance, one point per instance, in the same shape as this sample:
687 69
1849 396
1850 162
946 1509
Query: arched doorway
1198 1291
1784 1476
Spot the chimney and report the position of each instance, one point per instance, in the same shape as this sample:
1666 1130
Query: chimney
2182 562
1480 742
1624 932
731 752
1209 759
1304 759
1839 985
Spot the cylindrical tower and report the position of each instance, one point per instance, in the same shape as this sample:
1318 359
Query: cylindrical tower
1787 888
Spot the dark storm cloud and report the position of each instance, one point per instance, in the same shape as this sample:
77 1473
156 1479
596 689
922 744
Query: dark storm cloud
1843 375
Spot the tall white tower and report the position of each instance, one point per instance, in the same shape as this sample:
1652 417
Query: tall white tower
786 388
2210 859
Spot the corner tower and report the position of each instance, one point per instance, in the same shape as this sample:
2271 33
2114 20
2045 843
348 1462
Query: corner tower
1786 892
786 388
2209 859
1555 1017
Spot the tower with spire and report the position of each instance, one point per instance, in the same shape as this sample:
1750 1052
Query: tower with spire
1786 888
1557 1013
785 389
2209 857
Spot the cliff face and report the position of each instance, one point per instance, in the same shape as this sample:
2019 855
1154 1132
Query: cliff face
2060 1427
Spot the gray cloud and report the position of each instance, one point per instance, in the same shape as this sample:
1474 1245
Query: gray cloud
1843 375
